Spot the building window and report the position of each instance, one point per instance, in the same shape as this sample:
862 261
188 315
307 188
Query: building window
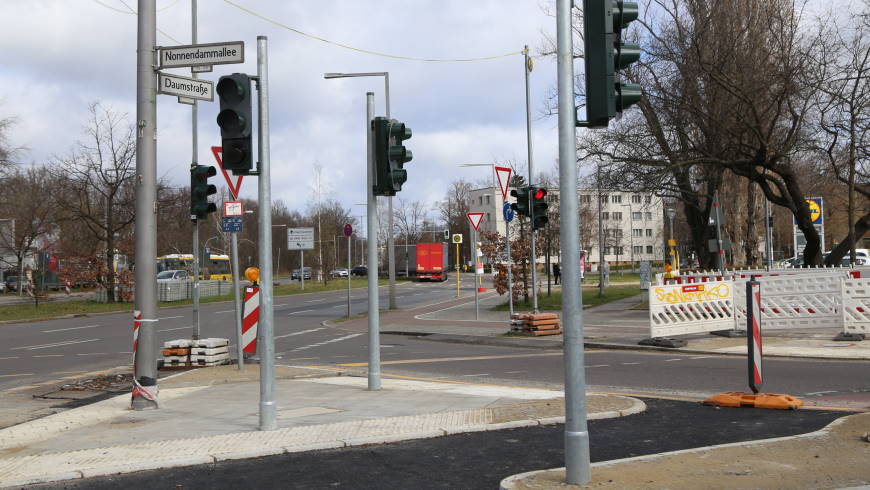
480 200
635 215
618 251
487 214
635 199
616 199
617 215
585 198
649 249
649 232
638 249
606 250
648 215
604 198
647 199
487 198
613 232
637 232
605 216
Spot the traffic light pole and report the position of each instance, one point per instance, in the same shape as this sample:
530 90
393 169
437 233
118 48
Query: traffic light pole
195 334
527 69
194 162
577 468
144 396
266 340
374 375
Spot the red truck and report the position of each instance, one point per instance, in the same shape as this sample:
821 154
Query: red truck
431 262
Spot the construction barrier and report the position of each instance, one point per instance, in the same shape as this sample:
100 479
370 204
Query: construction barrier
753 335
691 308
792 302
250 320
536 324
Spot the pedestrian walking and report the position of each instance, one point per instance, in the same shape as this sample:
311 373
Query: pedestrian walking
557 272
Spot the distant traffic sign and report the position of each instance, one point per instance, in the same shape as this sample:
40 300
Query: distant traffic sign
504 179
192 88
475 219
231 224
233 208
508 212
348 230
300 238
457 238
217 151
202 54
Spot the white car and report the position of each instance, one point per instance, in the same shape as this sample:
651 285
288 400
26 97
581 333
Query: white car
173 275
339 272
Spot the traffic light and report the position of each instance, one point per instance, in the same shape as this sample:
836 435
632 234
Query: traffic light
446 235
539 207
236 122
522 205
604 24
390 155
200 189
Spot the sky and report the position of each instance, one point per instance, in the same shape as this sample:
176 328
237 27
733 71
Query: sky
61 55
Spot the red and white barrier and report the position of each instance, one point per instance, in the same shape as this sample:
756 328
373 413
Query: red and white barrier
138 389
753 334
250 320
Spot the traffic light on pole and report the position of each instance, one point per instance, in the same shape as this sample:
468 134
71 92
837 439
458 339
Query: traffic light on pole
522 205
200 189
539 207
390 155
604 24
236 122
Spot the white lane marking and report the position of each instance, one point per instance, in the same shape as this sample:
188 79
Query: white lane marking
819 393
298 333
315 300
629 363
56 344
71 328
94 354
49 355
225 311
481 374
340 306
177 328
300 311
339 339
598 365
275 306
672 360
3 358
701 357
302 358
171 317
514 372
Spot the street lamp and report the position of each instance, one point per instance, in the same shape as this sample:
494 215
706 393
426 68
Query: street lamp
278 262
672 213
631 229
391 245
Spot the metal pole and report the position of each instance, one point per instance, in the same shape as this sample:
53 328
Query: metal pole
719 250
474 262
194 162
577 470
372 225
237 300
600 236
348 276
768 242
457 270
391 242
302 268
266 340
526 69
145 364
507 232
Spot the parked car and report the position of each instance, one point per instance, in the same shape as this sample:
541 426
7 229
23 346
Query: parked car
295 274
342 272
12 283
359 270
2 287
173 275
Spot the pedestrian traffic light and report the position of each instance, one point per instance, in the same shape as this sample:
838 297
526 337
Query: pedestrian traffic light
539 207
390 155
604 24
522 205
236 123
446 235
200 189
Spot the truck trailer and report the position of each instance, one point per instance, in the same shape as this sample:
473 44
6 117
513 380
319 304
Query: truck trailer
423 261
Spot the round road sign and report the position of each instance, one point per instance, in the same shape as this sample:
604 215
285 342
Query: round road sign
348 230
508 212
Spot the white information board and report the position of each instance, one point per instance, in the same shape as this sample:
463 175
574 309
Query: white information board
300 238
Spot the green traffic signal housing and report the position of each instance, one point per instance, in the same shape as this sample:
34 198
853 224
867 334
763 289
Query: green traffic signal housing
604 22
539 207
390 155
200 189
521 207
236 122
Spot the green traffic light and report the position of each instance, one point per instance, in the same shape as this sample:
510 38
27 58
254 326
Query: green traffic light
628 94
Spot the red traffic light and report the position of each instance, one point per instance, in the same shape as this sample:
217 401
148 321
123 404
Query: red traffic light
540 193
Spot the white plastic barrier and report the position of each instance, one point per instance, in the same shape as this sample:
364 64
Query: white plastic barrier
797 301
856 308
681 309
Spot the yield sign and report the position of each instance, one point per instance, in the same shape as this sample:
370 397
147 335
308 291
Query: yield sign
475 219
504 179
234 189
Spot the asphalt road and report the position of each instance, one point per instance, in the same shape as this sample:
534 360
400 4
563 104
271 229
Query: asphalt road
478 459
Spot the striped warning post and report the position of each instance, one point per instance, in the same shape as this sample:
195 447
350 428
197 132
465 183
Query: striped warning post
250 320
753 334
138 389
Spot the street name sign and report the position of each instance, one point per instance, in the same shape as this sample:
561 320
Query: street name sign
202 54
300 238
192 88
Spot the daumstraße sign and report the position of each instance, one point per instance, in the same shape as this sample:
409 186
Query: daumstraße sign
192 88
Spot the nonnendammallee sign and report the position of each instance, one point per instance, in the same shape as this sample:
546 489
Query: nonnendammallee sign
192 88
202 54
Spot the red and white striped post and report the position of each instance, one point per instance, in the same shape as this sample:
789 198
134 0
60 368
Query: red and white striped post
250 319
753 334
138 389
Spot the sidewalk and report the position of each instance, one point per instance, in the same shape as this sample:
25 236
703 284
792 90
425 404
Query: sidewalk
211 414
615 325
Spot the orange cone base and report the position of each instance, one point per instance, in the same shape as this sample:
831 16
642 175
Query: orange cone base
761 400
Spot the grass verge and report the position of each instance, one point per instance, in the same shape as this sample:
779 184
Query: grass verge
590 298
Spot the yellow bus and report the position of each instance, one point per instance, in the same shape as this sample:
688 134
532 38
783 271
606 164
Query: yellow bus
217 267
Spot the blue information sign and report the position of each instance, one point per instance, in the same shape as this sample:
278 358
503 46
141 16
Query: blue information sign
507 212
231 224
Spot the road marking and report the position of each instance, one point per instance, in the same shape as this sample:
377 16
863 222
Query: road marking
298 333
819 393
514 372
95 354
672 360
629 363
469 375
449 359
12 375
49 355
301 311
598 365
315 300
275 306
56 344
4 358
701 357
177 328
339 356
339 339
302 358
68 372
71 328
171 317
225 311
340 306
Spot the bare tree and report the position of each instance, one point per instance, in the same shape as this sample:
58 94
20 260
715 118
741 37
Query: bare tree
97 181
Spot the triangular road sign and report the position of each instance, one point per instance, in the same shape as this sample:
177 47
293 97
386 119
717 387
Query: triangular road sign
234 189
475 219
504 179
